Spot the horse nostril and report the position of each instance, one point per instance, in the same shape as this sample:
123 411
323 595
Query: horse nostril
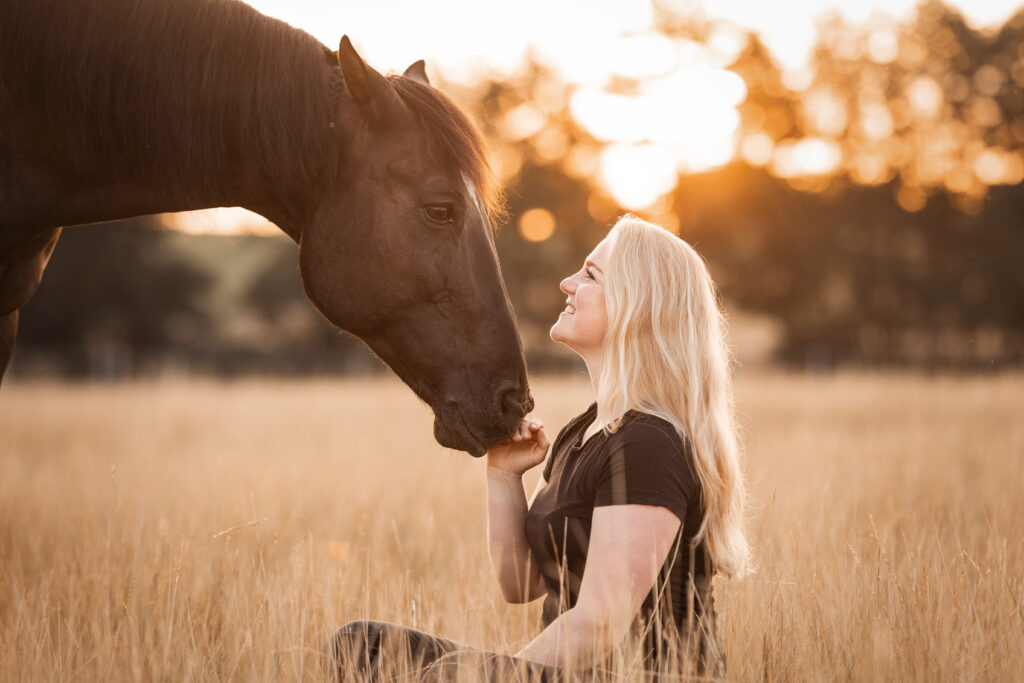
515 401
509 402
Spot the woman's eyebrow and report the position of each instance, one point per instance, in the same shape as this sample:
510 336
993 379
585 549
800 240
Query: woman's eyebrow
593 265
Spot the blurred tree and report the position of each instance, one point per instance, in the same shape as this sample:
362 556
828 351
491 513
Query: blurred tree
115 281
933 104
904 251
856 279
125 298
910 251
297 335
110 288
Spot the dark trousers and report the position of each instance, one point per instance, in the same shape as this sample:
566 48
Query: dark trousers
374 652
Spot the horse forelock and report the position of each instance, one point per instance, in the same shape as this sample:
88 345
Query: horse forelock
457 142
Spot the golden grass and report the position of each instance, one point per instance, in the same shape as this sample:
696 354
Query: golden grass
190 530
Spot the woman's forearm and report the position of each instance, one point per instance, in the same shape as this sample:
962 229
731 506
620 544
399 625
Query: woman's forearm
574 640
506 534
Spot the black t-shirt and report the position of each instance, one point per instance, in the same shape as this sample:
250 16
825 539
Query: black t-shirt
645 462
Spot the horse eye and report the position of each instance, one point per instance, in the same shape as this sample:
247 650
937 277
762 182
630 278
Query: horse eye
439 213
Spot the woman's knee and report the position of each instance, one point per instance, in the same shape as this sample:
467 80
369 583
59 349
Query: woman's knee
356 635
353 648
373 650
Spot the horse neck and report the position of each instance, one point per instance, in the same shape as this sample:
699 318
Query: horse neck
276 163
243 119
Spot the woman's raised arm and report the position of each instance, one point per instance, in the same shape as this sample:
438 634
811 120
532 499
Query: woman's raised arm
518 575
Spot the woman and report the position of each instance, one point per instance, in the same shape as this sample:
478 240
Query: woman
641 501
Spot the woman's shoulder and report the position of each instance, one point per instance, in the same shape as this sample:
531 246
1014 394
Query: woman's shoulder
649 429
647 461
651 442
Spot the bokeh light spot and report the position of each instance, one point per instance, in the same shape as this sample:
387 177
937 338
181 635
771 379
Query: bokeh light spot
523 121
537 224
989 80
825 111
925 96
757 149
883 46
807 157
869 169
993 166
985 112
876 120
551 145
911 198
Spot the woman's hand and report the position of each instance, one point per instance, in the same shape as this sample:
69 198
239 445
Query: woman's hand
523 451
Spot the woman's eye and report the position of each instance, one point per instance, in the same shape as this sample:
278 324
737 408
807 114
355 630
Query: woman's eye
590 276
439 213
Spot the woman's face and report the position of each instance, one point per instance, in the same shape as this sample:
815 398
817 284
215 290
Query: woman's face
581 326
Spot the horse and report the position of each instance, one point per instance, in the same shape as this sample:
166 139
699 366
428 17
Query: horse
117 108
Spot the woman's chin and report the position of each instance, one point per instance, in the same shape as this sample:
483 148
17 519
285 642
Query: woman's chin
556 332
558 335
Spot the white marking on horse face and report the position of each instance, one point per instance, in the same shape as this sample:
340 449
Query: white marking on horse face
474 196
471 191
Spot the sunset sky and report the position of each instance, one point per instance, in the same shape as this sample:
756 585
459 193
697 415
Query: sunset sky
471 38
590 41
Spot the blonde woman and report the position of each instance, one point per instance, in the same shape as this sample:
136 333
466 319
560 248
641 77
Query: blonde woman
641 501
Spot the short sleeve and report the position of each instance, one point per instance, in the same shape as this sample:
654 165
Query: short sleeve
646 464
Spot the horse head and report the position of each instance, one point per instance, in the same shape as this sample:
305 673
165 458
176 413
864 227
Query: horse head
400 253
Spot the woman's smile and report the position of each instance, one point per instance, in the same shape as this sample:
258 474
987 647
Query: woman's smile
581 325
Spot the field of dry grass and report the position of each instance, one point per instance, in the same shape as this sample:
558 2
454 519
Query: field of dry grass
183 529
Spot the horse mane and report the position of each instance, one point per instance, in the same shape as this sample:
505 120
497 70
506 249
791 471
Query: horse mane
455 138
169 84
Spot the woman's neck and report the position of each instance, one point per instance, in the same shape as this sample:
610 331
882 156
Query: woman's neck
594 368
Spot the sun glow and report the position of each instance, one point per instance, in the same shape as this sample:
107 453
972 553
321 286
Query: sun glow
636 176
229 220
685 121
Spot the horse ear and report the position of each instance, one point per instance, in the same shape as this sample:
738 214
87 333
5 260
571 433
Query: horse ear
366 86
417 71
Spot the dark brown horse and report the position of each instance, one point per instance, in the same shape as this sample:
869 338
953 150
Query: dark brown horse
116 108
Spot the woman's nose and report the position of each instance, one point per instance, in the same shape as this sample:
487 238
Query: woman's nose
567 285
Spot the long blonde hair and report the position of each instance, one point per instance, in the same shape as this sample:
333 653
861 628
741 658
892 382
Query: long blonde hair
665 353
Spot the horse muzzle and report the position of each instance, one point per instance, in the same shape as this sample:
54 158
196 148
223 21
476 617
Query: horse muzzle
475 431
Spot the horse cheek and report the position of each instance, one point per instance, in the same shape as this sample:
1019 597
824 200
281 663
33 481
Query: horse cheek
323 281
